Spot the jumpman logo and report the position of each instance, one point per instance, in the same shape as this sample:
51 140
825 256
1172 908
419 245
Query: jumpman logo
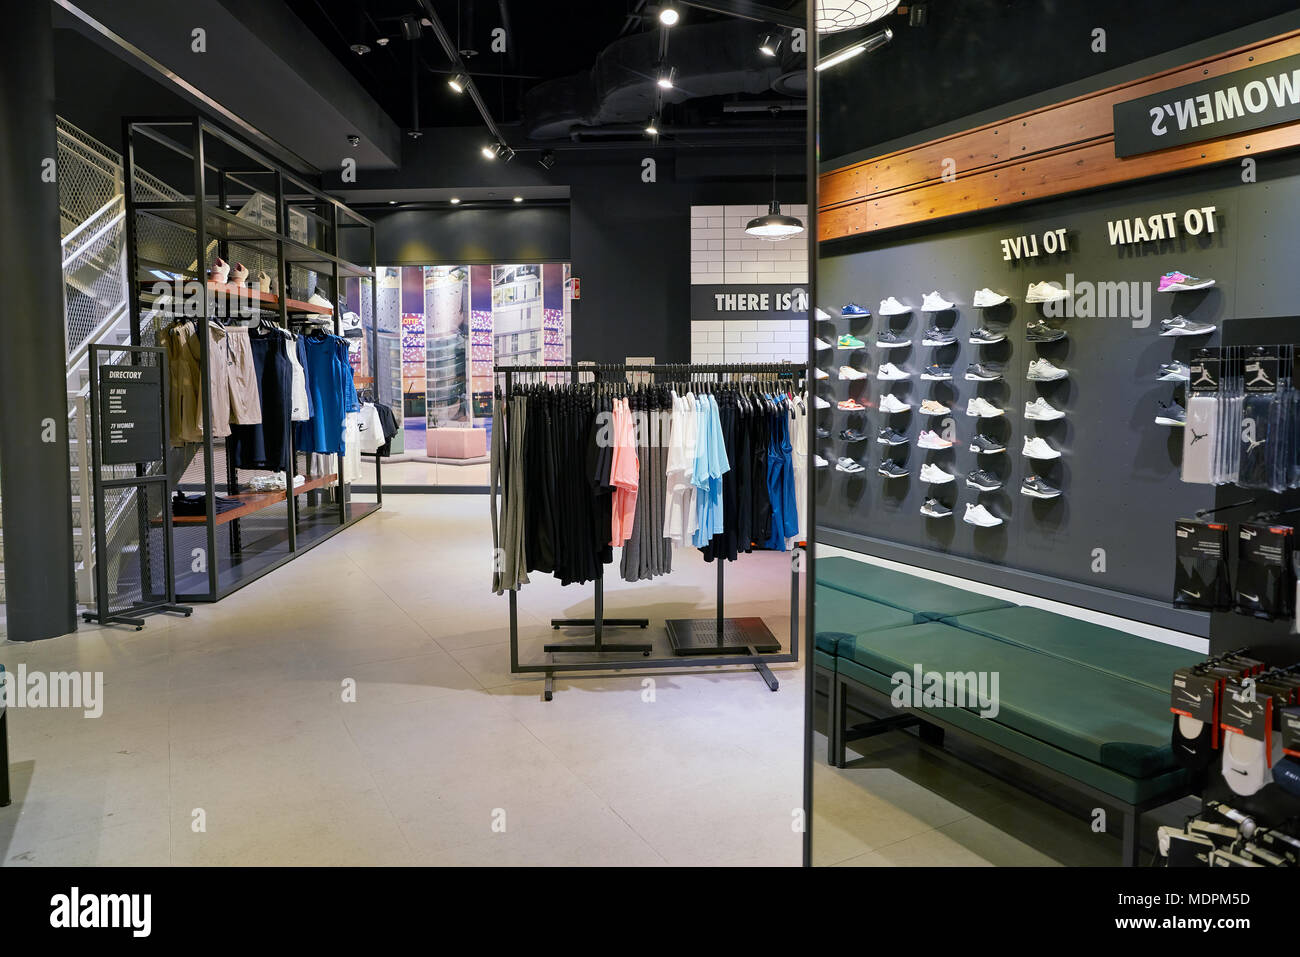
1260 377
1254 444
1197 436
1203 377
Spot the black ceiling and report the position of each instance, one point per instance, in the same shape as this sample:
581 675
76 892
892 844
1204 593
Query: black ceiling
546 40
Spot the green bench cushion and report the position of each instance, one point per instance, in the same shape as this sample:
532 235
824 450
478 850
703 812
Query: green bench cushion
1123 787
1107 720
926 600
840 616
1148 663
824 660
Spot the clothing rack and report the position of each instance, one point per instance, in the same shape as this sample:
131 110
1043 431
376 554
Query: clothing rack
725 641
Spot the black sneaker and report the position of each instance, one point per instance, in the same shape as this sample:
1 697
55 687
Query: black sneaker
935 508
889 339
853 435
986 337
936 373
1037 488
985 445
1039 331
1170 414
984 481
891 437
983 372
823 432
934 336
891 469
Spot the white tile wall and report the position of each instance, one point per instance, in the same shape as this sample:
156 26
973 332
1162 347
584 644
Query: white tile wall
749 340
721 253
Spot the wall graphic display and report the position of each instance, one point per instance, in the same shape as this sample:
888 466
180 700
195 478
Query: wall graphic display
441 330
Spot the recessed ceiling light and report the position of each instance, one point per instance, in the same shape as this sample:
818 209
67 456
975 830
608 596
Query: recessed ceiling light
665 80
652 126
392 202
770 46
519 199
360 49
669 16
455 201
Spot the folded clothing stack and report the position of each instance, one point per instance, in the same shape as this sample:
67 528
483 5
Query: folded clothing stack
191 505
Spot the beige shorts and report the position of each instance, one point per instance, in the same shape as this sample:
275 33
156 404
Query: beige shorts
242 401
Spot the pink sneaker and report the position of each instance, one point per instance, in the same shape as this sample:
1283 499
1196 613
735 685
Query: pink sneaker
1181 282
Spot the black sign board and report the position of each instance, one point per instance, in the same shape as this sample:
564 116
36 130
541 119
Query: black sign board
749 301
130 414
1249 99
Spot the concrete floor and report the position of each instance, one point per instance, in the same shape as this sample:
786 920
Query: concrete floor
225 738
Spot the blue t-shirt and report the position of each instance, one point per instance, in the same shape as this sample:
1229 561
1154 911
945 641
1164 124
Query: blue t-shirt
330 392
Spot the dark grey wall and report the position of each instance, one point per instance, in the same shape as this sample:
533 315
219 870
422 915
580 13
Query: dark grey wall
1119 471
417 237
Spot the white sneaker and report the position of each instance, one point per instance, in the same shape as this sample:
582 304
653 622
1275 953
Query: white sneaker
823 315
822 344
892 404
1037 448
1045 292
892 307
979 515
934 407
821 374
851 374
318 300
983 408
1040 410
1040 370
930 439
819 462
891 373
935 475
933 302
986 297
820 403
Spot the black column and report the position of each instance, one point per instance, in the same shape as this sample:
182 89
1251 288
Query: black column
35 475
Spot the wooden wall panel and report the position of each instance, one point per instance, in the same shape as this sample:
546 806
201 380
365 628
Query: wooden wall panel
1063 148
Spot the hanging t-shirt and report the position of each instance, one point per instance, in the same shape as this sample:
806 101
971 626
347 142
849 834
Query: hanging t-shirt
679 509
623 474
372 428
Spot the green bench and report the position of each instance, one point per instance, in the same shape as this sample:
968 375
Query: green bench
1084 705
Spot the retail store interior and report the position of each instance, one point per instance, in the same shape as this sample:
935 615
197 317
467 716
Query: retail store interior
620 433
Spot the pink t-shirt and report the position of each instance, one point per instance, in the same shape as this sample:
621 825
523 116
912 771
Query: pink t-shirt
624 473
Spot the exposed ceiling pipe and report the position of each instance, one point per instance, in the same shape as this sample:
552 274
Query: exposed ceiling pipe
748 11
453 54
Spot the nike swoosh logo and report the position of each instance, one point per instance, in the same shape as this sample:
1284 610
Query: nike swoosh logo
1196 700
1239 771
1189 750
1193 594
1254 598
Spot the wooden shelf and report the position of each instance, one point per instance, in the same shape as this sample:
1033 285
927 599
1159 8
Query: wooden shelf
252 502
266 299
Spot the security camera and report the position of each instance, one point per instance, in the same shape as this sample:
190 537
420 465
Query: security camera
354 140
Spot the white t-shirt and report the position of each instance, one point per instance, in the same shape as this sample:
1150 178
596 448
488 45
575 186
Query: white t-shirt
372 428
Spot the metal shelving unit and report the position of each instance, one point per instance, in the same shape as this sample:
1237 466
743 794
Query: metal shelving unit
311 241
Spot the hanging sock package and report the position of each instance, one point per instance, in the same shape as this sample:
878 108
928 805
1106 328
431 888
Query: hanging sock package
1201 433
1201 565
1265 587
1262 438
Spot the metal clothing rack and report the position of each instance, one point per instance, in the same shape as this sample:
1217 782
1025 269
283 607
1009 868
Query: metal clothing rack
725 641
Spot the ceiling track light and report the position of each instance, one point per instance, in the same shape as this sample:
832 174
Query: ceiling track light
455 201
771 44
497 150
652 127
519 199
360 49
489 151
668 15
873 42
458 82
666 78
547 159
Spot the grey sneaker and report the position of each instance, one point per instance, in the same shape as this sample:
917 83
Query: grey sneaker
1180 326
983 372
934 336
1035 487
986 337
984 481
891 469
933 508
889 339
